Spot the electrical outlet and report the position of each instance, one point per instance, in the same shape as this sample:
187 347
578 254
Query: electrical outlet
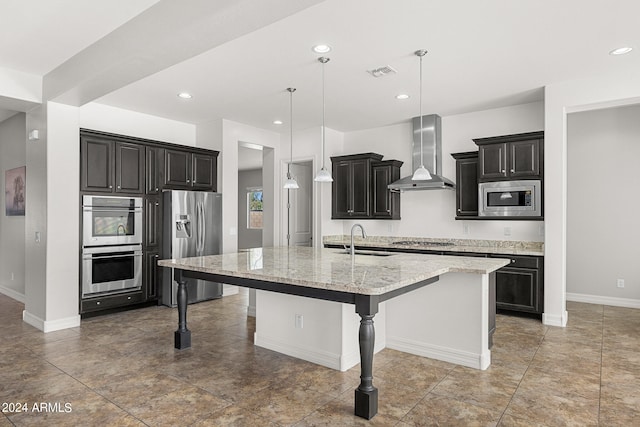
620 283
37 237
507 231
299 321
465 228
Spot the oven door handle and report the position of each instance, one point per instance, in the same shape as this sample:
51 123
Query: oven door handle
120 255
89 209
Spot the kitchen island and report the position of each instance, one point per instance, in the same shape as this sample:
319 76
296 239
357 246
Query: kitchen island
330 275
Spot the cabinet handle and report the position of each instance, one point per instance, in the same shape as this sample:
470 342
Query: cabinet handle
111 186
98 303
512 261
388 210
128 297
156 256
188 180
119 187
156 188
157 204
513 170
458 210
503 171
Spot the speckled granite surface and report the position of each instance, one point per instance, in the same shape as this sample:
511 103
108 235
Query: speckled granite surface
507 247
332 268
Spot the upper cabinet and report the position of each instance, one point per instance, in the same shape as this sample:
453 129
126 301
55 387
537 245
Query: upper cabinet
359 189
189 170
466 184
111 166
385 203
510 157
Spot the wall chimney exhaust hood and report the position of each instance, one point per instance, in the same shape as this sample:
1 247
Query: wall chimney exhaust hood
432 157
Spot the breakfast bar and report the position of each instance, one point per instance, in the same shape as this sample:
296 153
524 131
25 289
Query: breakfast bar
366 282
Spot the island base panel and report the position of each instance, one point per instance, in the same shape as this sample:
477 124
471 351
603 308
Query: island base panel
366 403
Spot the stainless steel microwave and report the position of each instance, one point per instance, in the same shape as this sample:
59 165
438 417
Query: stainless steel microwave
510 198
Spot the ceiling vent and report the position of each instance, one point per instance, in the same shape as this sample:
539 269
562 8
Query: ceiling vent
382 71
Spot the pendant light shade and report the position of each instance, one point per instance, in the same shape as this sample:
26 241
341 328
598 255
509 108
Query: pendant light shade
421 174
323 175
290 183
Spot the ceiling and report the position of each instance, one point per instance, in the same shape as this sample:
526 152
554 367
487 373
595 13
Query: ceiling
482 55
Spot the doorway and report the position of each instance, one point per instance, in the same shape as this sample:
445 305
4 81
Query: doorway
299 212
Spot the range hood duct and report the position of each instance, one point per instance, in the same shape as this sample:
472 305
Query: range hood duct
432 156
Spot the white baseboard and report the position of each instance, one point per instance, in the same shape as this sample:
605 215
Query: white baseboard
555 320
229 290
330 360
50 325
597 299
464 358
12 293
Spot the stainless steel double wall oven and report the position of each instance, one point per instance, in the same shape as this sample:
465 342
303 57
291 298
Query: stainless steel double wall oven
111 245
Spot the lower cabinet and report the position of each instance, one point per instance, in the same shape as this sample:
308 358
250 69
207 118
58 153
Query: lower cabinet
519 285
150 268
111 301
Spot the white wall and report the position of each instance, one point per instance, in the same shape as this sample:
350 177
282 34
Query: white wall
432 213
12 155
124 122
247 237
608 90
603 229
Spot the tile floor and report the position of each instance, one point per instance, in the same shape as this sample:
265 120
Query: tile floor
122 370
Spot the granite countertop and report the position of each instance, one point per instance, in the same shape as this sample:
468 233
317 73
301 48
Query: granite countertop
504 247
328 268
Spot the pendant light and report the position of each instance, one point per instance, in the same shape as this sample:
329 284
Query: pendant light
421 174
290 183
323 175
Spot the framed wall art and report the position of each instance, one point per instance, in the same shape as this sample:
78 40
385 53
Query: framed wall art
15 187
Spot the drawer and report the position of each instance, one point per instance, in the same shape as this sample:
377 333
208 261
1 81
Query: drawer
520 261
111 301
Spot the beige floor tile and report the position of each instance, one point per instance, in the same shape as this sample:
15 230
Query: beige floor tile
436 410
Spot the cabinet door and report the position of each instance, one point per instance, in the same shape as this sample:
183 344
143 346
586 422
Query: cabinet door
360 174
129 168
151 274
342 190
492 161
517 289
153 221
524 158
153 169
385 203
177 169
204 172
96 164
467 187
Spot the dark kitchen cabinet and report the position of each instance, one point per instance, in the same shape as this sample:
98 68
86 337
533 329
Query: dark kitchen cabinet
150 272
186 170
109 166
153 169
509 157
466 184
351 187
519 285
153 221
385 203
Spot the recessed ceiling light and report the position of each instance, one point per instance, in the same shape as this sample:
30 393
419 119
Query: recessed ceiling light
322 48
277 122
402 96
185 95
621 51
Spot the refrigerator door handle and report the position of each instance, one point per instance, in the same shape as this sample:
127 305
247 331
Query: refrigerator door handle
203 230
199 229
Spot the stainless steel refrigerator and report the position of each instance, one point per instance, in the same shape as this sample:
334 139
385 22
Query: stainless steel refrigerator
192 226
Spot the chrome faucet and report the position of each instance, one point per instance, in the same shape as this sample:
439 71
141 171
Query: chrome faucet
364 236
